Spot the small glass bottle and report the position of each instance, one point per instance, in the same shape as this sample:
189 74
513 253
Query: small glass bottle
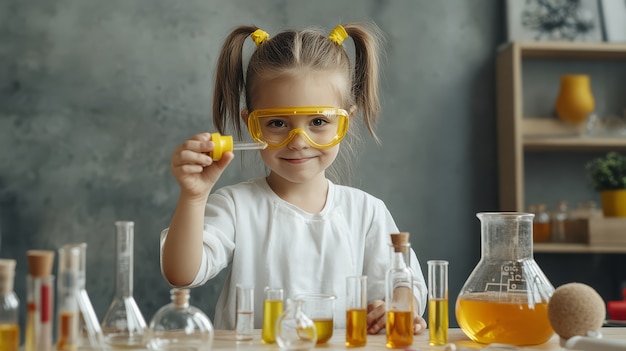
123 325
9 308
399 293
180 326
294 329
541 224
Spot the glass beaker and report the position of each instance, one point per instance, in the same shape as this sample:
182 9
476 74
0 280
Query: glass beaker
505 299
180 326
294 329
123 325
321 309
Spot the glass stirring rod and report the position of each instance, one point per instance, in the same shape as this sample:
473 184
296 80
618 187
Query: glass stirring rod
224 143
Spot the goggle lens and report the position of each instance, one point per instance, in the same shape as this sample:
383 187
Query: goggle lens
322 127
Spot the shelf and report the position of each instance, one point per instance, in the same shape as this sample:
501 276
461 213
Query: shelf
568 50
574 143
577 248
554 134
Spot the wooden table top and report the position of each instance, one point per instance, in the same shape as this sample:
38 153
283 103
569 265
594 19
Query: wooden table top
225 340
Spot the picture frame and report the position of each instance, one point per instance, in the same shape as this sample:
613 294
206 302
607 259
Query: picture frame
614 20
554 20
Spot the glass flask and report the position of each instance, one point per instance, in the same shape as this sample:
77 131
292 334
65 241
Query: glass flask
78 326
294 329
9 308
399 293
505 299
180 326
123 325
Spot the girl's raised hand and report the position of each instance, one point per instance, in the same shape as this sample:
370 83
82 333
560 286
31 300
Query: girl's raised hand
193 168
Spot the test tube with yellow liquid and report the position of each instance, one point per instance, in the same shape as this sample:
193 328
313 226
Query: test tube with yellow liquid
272 309
438 302
356 311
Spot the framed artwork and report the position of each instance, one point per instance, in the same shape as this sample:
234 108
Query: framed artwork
614 19
554 20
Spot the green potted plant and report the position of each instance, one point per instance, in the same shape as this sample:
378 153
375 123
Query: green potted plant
607 175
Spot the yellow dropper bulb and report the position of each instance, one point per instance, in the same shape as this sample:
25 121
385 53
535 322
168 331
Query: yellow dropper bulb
223 143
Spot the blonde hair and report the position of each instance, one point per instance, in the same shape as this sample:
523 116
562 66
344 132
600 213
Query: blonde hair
291 52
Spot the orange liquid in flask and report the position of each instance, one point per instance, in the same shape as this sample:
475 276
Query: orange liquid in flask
507 321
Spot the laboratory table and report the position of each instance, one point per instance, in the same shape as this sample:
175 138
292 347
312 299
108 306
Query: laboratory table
225 340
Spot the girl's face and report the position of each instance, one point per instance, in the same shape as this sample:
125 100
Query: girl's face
298 161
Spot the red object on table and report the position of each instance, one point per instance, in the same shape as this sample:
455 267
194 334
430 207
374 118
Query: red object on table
617 309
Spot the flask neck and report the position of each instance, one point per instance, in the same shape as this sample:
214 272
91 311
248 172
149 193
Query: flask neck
400 255
180 298
506 236
124 264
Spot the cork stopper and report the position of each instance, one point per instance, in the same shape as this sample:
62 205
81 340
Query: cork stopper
40 262
400 241
7 274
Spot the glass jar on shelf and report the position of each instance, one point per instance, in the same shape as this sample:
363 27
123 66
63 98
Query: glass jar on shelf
559 219
541 223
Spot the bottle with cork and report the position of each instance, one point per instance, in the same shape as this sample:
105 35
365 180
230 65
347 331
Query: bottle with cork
40 302
9 308
399 293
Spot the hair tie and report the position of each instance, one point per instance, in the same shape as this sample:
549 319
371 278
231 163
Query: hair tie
338 35
259 36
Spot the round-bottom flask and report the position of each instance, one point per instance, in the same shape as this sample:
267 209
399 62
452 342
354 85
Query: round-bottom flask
294 330
180 326
505 299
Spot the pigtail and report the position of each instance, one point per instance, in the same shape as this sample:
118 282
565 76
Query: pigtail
367 43
229 81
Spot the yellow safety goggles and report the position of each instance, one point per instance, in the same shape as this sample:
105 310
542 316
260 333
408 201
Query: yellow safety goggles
321 126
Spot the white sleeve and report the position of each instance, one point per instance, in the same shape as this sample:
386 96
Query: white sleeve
420 290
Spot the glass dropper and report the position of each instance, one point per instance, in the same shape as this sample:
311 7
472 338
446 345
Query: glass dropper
224 143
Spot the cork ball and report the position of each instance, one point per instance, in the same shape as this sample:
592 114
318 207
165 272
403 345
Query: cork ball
574 309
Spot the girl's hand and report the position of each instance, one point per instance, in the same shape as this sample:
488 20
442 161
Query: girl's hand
419 325
194 170
377 319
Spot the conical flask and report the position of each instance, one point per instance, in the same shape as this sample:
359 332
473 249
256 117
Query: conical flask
123 325
505 299
180 326
78 326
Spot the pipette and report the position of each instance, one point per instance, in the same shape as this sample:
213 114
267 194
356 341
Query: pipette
224 143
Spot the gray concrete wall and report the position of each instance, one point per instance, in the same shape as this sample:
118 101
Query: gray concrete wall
94 96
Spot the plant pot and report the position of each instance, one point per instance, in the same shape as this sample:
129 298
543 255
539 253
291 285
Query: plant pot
614 203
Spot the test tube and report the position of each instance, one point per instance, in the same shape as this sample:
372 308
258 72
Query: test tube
67 291
39 296
438 302
272 309
224 143
244 324
356 311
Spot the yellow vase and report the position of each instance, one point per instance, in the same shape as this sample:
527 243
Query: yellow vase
575 100
614 203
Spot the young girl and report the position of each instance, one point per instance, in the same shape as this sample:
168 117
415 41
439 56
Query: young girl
293 229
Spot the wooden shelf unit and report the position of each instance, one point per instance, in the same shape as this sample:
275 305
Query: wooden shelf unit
518 133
